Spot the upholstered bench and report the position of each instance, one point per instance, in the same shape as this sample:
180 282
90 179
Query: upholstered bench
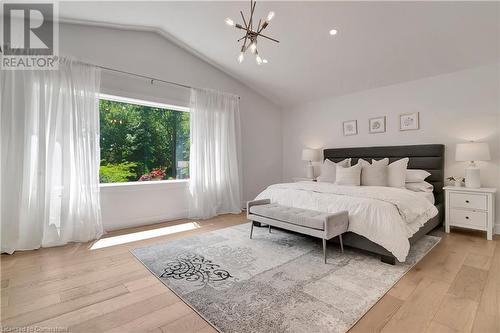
304 221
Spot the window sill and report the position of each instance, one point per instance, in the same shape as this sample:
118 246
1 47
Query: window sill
149 185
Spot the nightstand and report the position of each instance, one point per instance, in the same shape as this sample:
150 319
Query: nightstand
472 208
303 179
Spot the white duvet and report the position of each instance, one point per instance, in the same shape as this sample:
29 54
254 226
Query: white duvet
385 215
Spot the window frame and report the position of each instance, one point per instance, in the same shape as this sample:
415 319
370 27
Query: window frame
137 101
143 102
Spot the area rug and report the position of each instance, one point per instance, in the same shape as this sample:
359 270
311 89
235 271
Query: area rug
275 282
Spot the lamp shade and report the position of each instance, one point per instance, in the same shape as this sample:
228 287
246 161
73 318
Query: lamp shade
310 155
472 151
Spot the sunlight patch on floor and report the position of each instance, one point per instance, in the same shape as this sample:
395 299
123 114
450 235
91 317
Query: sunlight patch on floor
141 235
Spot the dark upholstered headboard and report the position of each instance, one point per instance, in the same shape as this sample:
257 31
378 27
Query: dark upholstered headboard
425 157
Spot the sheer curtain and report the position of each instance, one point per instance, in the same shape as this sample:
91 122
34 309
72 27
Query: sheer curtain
49 156
215 154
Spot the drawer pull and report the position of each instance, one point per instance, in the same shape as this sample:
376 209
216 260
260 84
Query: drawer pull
467 201
466 217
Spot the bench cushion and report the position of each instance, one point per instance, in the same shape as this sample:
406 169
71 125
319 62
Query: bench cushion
303 217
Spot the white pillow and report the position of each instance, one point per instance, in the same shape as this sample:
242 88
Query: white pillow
328 170
416 176
384 161
396 173
349 176
374 174
420 187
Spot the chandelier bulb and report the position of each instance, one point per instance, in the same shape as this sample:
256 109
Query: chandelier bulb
253 47
229 22
258 59
241 57
270 16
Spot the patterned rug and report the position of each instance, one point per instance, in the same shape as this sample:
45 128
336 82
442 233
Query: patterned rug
274 282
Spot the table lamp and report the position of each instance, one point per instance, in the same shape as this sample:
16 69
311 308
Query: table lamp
472 151
310 155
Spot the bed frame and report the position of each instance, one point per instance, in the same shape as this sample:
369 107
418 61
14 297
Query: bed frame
425 157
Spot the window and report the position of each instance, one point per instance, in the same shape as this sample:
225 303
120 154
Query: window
142 141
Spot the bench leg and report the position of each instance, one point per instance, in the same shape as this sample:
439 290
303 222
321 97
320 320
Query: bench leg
251 230
341 245
388 260
324 249
269 228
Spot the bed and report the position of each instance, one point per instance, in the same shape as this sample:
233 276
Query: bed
370 233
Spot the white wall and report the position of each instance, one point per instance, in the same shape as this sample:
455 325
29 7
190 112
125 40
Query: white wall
143 203
453 108
150 54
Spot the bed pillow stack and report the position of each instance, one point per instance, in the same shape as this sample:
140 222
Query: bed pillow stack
381 173
415 181
378 173
329 170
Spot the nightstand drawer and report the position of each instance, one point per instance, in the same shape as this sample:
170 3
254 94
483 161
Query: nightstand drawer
468 218
467 200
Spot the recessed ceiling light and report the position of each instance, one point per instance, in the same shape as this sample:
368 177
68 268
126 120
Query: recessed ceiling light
333 32
264 61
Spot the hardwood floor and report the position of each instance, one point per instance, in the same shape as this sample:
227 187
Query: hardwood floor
103 288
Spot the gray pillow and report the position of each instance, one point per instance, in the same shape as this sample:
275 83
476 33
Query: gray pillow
348 176
329 168
416 176
373 174
420 187
396 174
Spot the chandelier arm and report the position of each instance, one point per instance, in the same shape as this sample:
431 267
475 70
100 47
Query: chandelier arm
264 25
250 18
274 40
245 41
244 21
252 8
258 27
243 37
244 47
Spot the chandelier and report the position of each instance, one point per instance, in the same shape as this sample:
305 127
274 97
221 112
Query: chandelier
250 37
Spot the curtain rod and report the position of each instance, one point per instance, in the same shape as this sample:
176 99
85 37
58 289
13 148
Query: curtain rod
146 77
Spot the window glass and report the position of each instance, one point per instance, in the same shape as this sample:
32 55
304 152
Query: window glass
142 142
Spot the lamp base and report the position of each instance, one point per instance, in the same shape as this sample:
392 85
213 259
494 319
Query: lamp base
309 171
472 177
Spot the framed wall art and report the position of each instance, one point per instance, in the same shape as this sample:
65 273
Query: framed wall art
409 121
350 127
376 125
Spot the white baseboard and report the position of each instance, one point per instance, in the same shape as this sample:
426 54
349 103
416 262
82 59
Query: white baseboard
496 229
111 225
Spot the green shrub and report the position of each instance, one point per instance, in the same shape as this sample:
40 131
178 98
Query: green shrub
117 173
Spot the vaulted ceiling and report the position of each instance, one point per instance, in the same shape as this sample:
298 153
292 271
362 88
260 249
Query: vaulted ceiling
378 43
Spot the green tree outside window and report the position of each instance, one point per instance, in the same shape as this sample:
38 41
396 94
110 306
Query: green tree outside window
138 141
